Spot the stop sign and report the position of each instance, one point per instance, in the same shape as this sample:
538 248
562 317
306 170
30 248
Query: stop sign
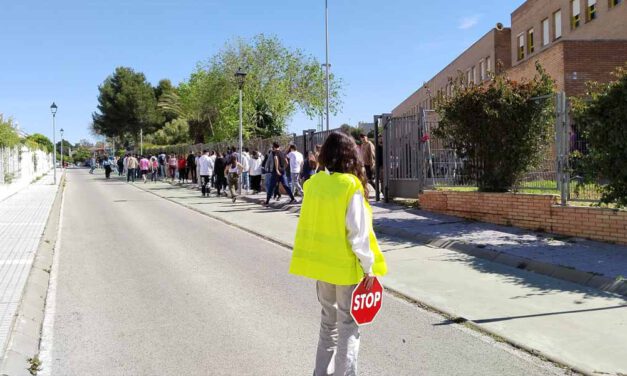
366 304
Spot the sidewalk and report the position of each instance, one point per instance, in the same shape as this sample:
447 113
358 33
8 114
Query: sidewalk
23 217
589 263
575 325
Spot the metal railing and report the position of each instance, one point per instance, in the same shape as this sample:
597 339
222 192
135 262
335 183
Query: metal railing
415 159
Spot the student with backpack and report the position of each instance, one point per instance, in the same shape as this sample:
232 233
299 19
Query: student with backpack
278 173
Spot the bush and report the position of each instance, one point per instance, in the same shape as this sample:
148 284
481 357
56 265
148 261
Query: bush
8 135
44 142
499 128
602 117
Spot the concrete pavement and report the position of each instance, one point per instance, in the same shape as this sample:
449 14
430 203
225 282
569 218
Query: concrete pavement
23 217
145 286
575 325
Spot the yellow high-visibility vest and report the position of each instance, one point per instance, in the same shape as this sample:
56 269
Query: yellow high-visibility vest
321 248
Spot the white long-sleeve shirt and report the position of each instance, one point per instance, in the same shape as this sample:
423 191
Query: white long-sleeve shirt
358 231
205 165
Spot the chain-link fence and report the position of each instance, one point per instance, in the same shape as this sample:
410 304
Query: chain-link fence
304 143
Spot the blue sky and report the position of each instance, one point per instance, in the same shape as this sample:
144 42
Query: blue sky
383 50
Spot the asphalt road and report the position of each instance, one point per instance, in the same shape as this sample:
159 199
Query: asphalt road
143 286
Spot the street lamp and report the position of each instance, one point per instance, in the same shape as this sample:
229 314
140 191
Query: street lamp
240 76
327 66
53 109
61 130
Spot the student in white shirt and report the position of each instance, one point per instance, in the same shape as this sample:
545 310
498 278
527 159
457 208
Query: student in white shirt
204 163
296 166
245 170
255 172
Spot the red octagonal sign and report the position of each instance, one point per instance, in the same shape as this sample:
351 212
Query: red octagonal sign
366 304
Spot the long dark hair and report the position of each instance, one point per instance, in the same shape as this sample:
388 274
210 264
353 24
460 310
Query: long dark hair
339 154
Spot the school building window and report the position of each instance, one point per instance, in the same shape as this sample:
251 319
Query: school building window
614 3
488 64
575 19
521 46
482 70
546 30
591 11
469 76
530 43
557 24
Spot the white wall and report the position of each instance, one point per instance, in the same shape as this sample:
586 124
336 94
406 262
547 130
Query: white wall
21 166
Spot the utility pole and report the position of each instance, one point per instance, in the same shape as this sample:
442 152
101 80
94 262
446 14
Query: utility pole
326 28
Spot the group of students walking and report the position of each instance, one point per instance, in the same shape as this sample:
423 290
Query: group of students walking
251 169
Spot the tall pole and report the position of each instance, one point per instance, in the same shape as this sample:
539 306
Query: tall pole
62 149
326 29
54 150
141 141
241 142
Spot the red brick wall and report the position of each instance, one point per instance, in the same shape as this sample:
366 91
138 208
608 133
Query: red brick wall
551 59
591 61
535 212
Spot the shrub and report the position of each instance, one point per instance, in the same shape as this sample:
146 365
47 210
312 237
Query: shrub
44 142
500 128
8 135
602 117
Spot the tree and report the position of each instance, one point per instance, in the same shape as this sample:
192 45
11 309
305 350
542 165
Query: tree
500 128
67 146
82 154
279 81
603 118
165 87
200 102
41 140
174 132
126 105
8 135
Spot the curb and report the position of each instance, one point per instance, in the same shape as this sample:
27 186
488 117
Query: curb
611 285
25 331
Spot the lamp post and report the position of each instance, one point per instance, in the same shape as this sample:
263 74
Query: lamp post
327 66
53 109
61 131
240 75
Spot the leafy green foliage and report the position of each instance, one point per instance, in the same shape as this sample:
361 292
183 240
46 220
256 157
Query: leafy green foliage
81 154
174 133
126 104
44 142
279 81
603 119
165 87
67 146
8 135
498 127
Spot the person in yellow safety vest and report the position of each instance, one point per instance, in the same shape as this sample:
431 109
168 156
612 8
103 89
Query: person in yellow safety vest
336 246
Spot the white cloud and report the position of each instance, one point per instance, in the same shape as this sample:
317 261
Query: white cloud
468 22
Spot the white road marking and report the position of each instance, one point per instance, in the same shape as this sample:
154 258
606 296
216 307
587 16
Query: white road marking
47 330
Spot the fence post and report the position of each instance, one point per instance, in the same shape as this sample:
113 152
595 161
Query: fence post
561 141
377 190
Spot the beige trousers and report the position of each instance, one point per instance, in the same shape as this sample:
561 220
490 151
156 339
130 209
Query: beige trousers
338 345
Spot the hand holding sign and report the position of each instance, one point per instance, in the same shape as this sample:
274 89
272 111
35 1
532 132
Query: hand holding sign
366 303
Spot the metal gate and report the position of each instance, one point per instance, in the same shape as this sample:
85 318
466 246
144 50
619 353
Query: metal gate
403 156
